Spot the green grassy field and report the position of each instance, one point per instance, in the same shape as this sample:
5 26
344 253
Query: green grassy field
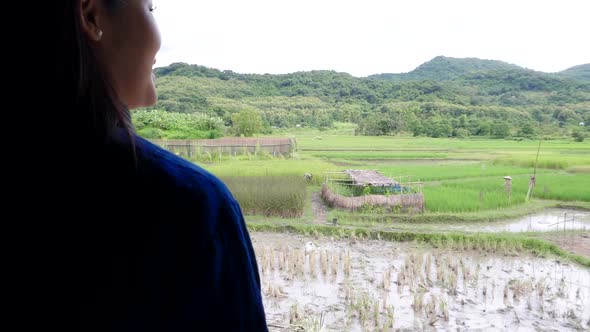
274 167
283 196
458 176
462 182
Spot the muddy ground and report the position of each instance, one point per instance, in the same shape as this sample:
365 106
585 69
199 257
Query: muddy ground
324 284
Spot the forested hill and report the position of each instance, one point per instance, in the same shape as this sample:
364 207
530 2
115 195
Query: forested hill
445 68
581 72
442 97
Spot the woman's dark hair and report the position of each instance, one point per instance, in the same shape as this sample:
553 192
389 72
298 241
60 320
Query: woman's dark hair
87 88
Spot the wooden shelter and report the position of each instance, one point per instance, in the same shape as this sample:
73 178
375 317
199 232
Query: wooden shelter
384 191
370 178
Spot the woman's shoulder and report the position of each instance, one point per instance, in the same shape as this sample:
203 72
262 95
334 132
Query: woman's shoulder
167 171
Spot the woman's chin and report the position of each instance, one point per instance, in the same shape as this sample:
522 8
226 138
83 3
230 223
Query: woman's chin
151 97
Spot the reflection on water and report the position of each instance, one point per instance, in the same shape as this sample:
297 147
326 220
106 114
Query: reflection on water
548 220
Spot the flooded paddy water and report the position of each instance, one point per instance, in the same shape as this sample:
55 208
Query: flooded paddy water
543 221
348 285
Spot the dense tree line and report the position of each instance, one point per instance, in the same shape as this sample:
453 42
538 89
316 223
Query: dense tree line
443 97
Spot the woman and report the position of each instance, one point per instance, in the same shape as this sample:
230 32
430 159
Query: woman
133 238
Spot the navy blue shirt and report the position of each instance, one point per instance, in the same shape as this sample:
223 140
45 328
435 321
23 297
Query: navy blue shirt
143 241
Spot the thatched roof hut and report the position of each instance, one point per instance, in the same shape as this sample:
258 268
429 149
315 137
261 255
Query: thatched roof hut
384 191
370 178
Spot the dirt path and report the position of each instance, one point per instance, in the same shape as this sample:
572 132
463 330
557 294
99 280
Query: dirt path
578 243
320 212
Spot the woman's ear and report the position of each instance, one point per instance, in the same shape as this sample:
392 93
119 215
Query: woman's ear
91 19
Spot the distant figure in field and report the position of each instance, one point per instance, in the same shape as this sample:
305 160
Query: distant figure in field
308 177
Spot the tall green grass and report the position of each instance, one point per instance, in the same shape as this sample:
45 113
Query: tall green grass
479 194
550 161
282 196
273 167
563 187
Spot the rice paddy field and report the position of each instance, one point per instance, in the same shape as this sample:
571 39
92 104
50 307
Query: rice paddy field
320 284
479 257
458 176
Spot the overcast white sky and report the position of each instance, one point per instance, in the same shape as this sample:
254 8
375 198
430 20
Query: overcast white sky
364 37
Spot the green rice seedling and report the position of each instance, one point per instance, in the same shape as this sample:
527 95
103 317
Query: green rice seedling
296 263
453 267
411 281
452 284
518 246
468 244
440 275
376 312
417 304
301 264
281 261
561 289
323 262
493 246
419 269
347 263
450 244
541 308
272 260
291 260
428 266
407 263
294 314
363 306
390 317
435 276
430 307
518 288
387 279
262 266
286 262
346 293
505 297
475 279
401 281
334 265
314 322
541 287
312 264
444 308
437 262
